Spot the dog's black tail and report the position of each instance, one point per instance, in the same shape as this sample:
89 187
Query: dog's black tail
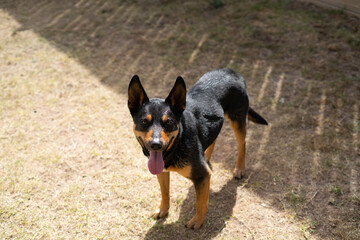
255 117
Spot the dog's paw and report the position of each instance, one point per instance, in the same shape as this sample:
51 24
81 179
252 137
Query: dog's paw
239 173
195 223
160 213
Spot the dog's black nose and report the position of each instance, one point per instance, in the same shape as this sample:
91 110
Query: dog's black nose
156 145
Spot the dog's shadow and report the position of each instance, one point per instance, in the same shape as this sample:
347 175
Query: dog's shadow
220 209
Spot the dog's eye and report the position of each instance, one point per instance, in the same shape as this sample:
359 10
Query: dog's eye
169 122
144 121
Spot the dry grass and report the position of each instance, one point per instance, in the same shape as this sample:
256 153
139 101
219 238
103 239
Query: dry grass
69 164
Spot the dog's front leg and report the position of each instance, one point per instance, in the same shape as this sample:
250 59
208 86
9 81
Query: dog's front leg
164 181
202 198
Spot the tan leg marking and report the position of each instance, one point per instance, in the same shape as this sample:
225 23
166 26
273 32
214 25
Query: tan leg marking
202 198
209 151
164 181
240 134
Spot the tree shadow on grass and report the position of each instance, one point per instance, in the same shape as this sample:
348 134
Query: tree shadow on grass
220 210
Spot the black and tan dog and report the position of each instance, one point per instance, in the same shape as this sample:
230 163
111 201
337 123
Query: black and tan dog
179 133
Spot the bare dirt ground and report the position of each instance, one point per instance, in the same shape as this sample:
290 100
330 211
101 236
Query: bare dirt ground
70 167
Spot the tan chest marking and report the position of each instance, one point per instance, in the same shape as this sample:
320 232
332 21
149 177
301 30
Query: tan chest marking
185 171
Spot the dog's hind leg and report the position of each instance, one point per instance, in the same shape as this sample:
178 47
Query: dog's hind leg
240 133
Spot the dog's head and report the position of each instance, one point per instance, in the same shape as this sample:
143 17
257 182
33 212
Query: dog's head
156 121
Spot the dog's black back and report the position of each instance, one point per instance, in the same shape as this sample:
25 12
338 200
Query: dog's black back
217 93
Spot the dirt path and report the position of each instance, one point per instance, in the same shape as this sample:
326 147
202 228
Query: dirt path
71 168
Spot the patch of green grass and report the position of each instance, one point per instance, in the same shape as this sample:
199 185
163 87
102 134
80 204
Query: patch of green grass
275 5
295 197
314 15
216 3
336 190
352 38
335 12
308 228
355 198
179 200
328 163
356 218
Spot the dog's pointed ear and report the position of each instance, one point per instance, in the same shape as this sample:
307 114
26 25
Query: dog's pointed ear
136 94
177 95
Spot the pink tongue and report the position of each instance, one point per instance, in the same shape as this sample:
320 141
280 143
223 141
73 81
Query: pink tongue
156 162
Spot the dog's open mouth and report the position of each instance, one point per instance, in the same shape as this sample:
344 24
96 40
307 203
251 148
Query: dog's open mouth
156 162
